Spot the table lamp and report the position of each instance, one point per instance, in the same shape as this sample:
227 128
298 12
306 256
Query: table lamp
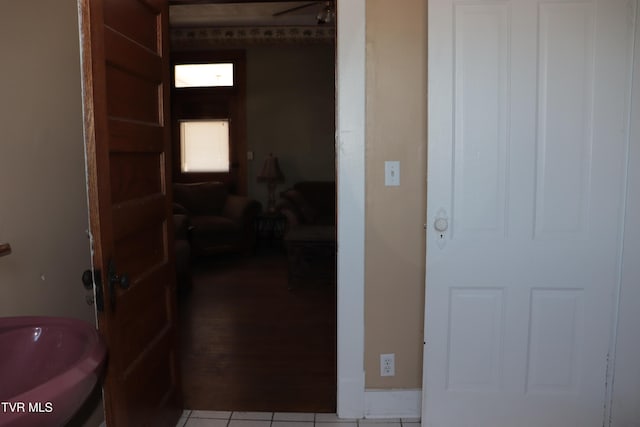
271 174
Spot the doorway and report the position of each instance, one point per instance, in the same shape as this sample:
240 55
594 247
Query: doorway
299 125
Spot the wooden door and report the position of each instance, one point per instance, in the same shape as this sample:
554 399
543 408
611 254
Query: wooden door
125 76
528 139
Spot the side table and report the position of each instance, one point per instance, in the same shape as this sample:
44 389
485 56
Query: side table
270 226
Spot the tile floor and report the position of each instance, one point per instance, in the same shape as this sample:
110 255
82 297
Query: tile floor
282 419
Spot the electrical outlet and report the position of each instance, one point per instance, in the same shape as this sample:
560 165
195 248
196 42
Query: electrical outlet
387 365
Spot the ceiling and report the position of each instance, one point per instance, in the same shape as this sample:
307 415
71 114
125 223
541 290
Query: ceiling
199 13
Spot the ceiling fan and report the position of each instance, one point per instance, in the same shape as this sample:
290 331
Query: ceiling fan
325 16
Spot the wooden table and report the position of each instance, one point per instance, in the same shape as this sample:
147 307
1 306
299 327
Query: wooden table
270 227
311 251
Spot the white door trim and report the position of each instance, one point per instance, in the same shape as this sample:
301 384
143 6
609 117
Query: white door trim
405 403
350 170
622 408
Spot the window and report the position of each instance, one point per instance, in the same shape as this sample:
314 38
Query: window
208 117
203 75
204 145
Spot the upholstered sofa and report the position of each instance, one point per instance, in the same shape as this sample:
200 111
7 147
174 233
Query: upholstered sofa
220 222
309 203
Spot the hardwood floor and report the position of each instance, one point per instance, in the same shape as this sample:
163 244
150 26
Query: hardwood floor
249 344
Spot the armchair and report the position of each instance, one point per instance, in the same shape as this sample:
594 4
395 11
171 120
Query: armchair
220 222
309 203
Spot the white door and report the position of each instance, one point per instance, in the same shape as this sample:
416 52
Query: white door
528 131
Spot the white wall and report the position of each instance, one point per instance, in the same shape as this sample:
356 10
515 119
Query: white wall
43 212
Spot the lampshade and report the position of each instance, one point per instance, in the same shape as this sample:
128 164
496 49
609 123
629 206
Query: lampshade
271 170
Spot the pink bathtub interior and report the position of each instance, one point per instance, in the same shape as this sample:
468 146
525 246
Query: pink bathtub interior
48 368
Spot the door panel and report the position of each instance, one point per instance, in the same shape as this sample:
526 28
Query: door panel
565 105
527 155
125 68
137 20
481 122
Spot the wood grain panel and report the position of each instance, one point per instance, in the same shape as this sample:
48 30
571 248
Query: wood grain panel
124 53
147 387
143 291
138 253
136 214
134 137
138 20
138 331
135 175
131 97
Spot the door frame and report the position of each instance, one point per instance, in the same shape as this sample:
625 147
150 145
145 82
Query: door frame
350 171
621 406
350 174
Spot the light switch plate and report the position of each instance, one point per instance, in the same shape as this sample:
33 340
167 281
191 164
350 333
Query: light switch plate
392 173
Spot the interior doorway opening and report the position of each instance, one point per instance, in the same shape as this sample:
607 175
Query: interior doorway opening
290 111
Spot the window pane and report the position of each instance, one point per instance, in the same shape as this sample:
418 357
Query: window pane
204 146
203 75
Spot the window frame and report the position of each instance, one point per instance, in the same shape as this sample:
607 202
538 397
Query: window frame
183 144
174 78
213 103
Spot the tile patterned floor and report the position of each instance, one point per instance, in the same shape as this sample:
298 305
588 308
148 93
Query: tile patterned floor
283 419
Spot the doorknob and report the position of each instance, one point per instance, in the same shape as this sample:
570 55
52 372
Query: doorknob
441 225
88 282
114 279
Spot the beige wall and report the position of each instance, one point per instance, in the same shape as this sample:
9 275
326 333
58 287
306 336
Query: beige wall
43 211
395 245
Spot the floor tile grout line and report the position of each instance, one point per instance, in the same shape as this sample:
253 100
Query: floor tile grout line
316 423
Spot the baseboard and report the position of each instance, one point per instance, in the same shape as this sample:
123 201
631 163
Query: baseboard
392 403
